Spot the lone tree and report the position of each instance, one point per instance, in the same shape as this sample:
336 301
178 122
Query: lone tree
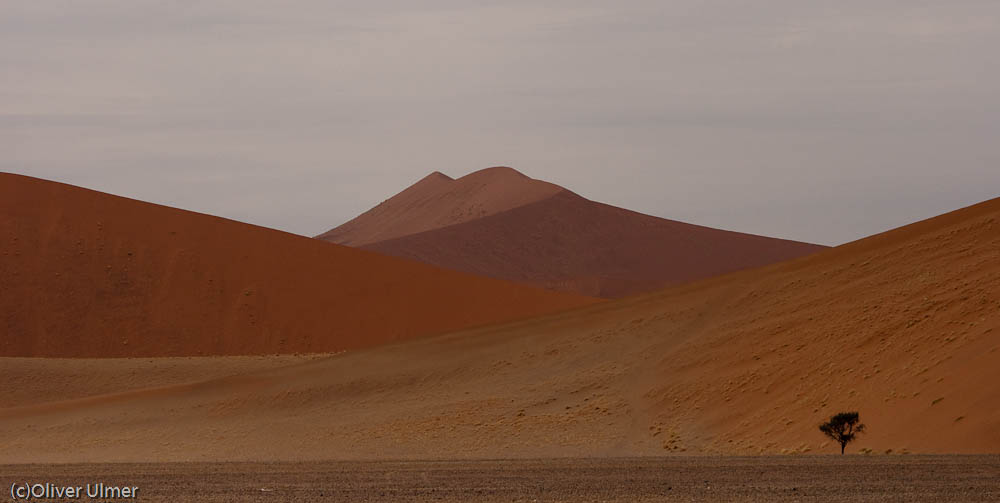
842 428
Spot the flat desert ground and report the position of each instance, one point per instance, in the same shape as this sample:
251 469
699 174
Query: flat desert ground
705 478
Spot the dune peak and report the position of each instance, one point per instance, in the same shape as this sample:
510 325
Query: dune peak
495 172
438 201
437 175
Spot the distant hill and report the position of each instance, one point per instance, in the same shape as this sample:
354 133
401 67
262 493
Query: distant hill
438 201
90 274
499 223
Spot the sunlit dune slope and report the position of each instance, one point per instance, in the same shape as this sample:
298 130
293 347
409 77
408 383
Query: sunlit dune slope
902 327
502 224
38 380
87 274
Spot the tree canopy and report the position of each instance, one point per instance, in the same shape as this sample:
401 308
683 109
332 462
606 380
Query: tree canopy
843 428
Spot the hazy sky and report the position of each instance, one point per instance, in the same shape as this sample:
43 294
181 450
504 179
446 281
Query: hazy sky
820 121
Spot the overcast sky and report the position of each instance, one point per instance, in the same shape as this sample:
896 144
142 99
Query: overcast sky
819 121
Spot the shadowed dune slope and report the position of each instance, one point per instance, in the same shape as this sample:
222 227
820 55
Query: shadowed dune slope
90 274
566 242
534 232
903 327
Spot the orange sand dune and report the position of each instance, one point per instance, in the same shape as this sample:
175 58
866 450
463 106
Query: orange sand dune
538 233
903 327
39 380
90 274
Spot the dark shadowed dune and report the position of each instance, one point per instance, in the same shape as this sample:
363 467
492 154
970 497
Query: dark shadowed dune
566 242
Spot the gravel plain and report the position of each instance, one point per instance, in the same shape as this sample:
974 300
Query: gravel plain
770 478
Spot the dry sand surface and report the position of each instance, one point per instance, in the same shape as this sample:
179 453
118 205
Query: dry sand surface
710 479
903 327
87 274
501 224
569 243
39 380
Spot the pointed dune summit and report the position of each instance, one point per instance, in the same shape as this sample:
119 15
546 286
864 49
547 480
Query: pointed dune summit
499 223
90 274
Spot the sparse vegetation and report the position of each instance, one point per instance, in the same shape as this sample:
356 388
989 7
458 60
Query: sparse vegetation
843 428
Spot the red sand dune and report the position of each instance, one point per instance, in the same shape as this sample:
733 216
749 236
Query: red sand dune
91 274
538 233
438 201
903 327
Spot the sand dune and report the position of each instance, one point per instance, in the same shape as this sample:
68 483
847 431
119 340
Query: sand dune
538 233
903 327
90 274
438 201
566 242
31 381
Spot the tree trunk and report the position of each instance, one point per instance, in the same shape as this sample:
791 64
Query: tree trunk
842 448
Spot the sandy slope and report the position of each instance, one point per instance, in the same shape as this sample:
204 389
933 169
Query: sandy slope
515 228
91 274
903 326
39 380
566 242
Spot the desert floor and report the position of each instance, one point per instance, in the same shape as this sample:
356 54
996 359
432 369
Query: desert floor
687 478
